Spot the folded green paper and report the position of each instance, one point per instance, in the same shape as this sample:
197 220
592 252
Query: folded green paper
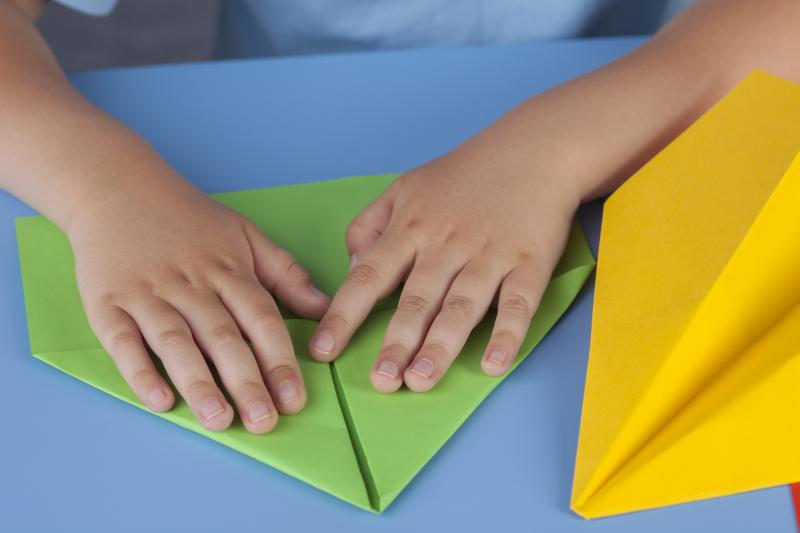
350 441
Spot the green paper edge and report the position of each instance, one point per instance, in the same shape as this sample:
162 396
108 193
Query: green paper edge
342 479
574 268
389 475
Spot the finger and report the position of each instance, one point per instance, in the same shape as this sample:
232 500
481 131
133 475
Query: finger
120 337
465 304
419 302
373 276
220 339
282 276
370 222
170 338
259 318
520 294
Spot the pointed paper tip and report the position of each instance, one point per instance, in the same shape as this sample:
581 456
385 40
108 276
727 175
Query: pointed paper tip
580 511
586 510
578 503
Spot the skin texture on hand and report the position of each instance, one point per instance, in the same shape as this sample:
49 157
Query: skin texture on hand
158 262
161 264
165 265
490 219
464 230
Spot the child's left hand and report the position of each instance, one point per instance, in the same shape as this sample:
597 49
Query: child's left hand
464 229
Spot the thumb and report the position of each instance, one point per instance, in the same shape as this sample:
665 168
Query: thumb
283 276
370 222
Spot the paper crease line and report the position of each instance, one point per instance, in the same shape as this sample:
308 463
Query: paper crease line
712 375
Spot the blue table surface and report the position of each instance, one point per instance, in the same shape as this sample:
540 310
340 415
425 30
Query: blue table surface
72 458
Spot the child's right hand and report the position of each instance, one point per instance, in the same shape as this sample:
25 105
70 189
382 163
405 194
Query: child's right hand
163 264
158 262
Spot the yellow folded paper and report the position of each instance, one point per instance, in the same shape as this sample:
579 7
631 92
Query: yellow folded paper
693 385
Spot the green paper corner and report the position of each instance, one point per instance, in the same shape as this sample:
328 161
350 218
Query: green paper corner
350 441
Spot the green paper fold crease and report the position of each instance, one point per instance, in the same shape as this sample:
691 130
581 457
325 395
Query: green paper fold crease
349 441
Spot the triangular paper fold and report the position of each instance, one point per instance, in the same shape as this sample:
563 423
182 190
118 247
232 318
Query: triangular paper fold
695 324
349 441
294 447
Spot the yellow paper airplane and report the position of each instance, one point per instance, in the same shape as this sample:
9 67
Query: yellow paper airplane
693 385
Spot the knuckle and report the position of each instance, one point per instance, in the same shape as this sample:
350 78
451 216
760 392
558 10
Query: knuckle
358 233
268 323
357 227
228 265
337 322
184 279
394 351
412 303
141 377
281 372
411 223
517 303
198 387
292 266
173 338
283 259
255 387
507 338
171 279
225 335
145 286
124 342
526 257
297 274
450 236
434 349
460 305
363 274
219 267
292 272
442 233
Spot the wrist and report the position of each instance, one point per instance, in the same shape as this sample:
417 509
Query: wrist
520 151
125 191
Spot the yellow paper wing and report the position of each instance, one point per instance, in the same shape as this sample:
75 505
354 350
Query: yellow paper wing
694 324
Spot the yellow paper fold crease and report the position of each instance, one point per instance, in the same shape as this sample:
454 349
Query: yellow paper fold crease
692 379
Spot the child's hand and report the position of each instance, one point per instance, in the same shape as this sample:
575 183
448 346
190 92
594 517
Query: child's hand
464 229
164 264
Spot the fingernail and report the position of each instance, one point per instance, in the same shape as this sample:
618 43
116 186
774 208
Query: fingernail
497 357
389 369
318 292
324 343
211 407
155 395
258 411
423 367
288 392
353 259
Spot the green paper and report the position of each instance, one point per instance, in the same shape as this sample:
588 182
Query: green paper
350 441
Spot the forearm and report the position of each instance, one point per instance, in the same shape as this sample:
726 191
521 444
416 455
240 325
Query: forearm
599 128
57 150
